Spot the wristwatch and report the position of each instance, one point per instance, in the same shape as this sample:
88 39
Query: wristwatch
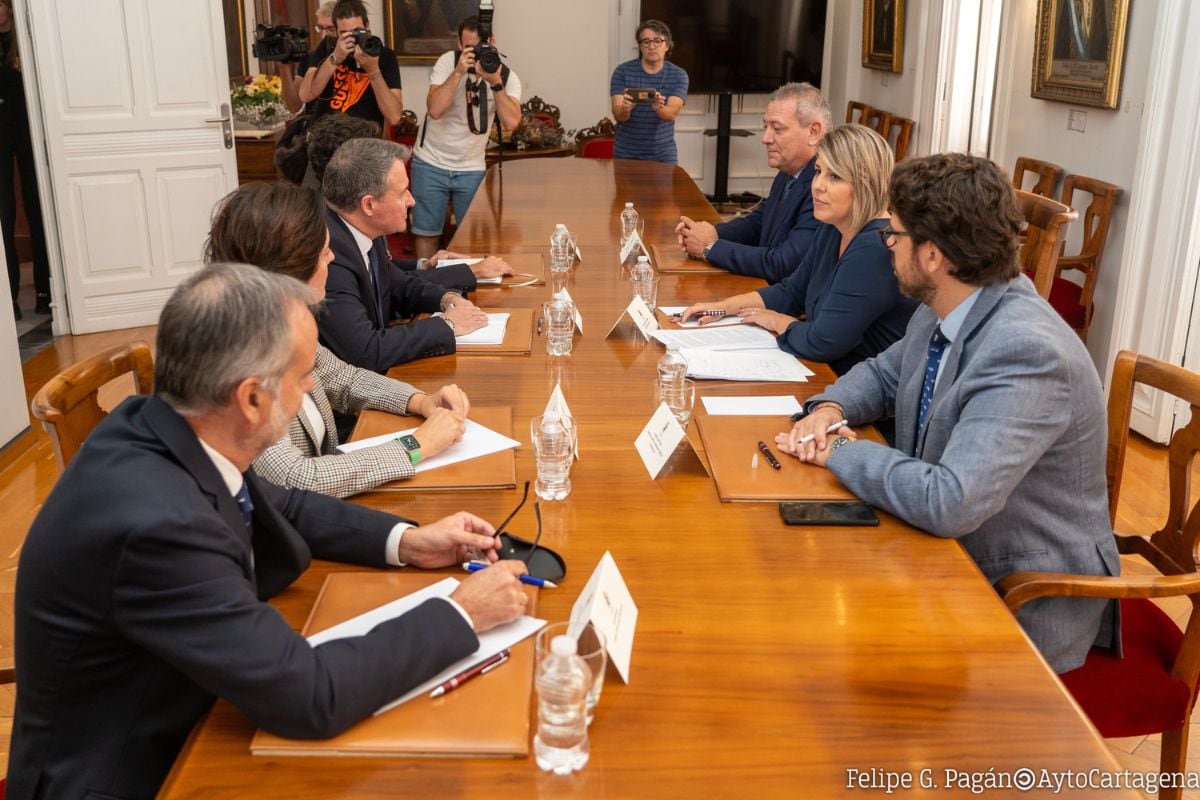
498 86
838 442
411 446
707 248
449 322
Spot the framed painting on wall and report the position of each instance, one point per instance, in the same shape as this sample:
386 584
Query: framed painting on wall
1080 51
883 35
421 30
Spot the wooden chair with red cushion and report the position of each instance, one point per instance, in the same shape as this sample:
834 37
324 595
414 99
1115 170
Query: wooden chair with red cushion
68 405
401 245
1047 175
1152 688
857 112
596 141
540 109
899 134
1045 231
1072 301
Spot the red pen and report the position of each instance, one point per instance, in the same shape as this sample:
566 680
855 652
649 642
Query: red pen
482 668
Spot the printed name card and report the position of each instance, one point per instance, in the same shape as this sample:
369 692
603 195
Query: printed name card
658 439
606 603
558 405
633 242
642 316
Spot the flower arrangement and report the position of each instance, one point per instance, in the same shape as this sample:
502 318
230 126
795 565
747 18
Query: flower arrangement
257 101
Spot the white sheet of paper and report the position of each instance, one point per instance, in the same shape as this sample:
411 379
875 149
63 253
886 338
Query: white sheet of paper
642 316
782 405
477 441
558 404
691 323
454 262
490 642
565 295
744 365
658 439
490 334
606 602
744 337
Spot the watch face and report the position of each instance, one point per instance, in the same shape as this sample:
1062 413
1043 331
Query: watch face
409 442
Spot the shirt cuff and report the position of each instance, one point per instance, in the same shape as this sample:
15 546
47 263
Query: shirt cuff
421 262
393 544
462 611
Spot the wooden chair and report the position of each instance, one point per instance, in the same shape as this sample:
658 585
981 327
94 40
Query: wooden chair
878 120
404 133
898 135
854 108
1045 230
1152 688
1048 175
68 404
1072 301
596 141
538 108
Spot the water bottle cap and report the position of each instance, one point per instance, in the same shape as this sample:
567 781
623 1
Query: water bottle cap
627 205
563 646
561 227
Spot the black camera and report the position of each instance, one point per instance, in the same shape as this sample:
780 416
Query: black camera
280 43
486 56
371 45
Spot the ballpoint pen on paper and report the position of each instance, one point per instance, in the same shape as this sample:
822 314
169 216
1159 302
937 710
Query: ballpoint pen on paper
766 451
482 668
475 566
830 429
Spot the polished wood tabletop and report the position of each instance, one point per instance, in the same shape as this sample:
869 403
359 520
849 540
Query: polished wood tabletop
769 661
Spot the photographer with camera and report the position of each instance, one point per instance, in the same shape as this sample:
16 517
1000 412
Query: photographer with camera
291 73
354 73
469 89
647 95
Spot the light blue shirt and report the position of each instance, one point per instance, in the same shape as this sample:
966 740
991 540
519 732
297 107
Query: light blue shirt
953 323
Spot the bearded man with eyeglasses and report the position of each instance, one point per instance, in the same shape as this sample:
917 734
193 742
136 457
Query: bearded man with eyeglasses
646 127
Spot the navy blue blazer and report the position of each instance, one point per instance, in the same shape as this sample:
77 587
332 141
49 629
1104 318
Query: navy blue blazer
141 596
769 242
852 306
349 323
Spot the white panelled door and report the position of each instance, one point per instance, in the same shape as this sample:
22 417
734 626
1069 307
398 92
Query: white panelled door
132 92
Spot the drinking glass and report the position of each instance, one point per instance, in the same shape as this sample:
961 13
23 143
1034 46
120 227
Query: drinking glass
558 316
553 453
679 396
590 645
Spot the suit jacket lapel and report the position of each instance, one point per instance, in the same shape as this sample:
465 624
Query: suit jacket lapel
330 443
345 249
279 553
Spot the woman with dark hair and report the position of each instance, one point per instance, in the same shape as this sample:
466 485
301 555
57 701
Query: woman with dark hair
280 227
842 304
16 145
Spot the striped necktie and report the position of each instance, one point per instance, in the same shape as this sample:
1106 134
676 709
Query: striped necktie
937 344
246 505
373 271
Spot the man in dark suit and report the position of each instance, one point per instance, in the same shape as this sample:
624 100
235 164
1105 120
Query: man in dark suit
769 242
142 585
1000 423
366 187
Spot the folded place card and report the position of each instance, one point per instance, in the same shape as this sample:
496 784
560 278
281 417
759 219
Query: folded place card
606 603
658 439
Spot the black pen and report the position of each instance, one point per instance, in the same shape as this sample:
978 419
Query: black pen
766 451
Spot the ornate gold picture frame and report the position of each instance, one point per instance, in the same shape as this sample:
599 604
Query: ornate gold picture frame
421 30
1080 51
883 35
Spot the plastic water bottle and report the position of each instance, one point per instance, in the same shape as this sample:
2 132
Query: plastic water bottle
561 743
553 451
629 221
642 280
560 249
672 369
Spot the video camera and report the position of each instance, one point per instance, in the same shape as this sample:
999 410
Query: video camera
486 56
371 45
280 43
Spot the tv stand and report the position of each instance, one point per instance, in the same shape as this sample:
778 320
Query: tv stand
723 131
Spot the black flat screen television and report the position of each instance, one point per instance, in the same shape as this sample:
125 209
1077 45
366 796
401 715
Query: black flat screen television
744 46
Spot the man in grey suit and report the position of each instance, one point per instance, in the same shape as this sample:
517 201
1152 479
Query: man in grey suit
1000 419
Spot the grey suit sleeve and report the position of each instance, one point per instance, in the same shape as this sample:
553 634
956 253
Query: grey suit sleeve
350 389
1014 407
868 391
288 463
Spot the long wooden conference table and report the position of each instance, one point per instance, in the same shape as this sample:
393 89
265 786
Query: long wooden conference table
768 661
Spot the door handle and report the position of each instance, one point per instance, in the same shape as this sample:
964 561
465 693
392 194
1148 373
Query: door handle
226 125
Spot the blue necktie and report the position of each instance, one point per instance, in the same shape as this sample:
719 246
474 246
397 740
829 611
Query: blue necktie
937 343
246 505
373 269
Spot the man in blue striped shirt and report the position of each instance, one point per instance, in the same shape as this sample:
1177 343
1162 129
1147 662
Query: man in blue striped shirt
646 128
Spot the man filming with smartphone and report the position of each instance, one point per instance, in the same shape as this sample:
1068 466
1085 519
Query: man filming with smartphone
647 95
354 73
469 88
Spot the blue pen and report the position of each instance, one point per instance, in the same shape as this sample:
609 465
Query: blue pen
475 566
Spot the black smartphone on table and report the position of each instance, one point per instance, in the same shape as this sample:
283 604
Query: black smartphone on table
822 512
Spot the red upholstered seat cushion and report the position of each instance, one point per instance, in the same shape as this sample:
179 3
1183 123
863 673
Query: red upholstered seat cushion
597 148
1134 695
1064 298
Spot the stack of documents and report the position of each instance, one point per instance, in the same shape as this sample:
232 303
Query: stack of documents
735 353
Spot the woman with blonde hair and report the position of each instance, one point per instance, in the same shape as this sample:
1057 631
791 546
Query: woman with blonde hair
842 304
